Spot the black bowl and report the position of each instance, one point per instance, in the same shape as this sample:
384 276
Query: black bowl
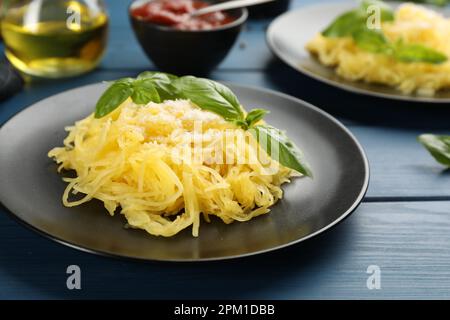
184 51
269 9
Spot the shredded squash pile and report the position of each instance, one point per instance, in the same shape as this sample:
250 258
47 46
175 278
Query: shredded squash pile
143 161
414 24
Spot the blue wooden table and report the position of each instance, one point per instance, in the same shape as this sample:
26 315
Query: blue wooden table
403 225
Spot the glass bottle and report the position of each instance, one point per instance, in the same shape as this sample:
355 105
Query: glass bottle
54 38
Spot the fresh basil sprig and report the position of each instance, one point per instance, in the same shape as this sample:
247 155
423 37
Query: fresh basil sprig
144 91
438 146
351 21
417 53
254 116
345 25
158 86
386 12
375 41
372 41
113 97
162 82
286 152
210 95
354 24
148 87
207 95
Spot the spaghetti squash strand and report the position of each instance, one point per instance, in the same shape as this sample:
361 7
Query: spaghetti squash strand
140 159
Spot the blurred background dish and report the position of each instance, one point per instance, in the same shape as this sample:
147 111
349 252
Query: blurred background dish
288 35
54 38
185 47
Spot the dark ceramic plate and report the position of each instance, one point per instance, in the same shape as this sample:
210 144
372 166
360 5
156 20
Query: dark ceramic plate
31 188
288 35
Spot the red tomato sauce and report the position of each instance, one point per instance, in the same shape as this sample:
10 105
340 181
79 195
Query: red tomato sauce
175 13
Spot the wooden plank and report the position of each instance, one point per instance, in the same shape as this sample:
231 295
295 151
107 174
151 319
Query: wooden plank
400 167
410 242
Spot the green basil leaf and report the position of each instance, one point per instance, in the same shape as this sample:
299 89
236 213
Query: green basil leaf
209 95
438 146
144 91
112 98
386 12
349 22
418 53
124 81
372 41
241 123
285 151
254 116
162 83
345 24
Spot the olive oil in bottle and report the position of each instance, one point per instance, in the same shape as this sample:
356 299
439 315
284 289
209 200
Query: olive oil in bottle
56 39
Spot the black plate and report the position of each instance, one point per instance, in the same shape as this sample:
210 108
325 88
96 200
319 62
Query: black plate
31 188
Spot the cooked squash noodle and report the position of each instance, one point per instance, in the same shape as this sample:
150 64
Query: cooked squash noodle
413 24
164 171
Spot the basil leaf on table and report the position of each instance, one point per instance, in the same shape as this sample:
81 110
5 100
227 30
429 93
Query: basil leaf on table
113 97
438 146
210 95
418 53
289 155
